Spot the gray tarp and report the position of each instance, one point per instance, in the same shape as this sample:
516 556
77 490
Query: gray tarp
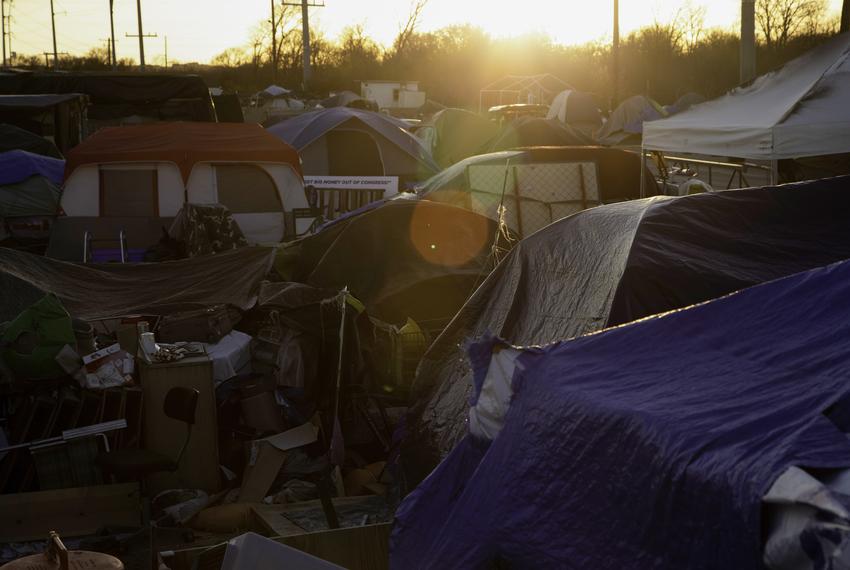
618 263
107 290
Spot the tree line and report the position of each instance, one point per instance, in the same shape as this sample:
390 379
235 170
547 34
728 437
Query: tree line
664 60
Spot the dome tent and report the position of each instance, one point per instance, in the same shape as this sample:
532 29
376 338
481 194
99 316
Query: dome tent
342 141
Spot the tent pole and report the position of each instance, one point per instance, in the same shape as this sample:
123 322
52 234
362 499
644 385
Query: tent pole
642 173
774 172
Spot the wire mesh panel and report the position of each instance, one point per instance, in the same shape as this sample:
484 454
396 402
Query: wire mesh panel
532 195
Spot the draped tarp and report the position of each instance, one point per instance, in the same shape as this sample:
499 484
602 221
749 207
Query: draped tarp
618 263
796 111
106 290
649 445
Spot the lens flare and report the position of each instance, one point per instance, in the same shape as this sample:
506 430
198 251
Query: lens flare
446 236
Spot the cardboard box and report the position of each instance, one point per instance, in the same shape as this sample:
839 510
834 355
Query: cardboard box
266 457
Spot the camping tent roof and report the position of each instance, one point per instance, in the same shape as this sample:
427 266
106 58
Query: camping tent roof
799 110
628 119
183 144
649 445
537 131
570 106
620 262
455 134
302 130
18 165
684 103
341 99
431 256
275 91
12 137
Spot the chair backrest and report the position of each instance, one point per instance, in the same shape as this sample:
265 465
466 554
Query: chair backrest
180 404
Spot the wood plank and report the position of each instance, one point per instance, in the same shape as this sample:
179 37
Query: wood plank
71 512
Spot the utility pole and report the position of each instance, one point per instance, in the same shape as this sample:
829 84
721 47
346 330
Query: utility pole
53 25
748 40
9 33
166 53
274 46
3 27
305 35
615 56
141 45
114 60
141 36
845 16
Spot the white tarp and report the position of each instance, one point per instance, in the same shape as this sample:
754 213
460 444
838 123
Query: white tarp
798 110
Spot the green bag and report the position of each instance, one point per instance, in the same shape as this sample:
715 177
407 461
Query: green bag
35 337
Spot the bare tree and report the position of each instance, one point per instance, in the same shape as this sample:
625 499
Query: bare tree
407 30
780 20
691 20
231 57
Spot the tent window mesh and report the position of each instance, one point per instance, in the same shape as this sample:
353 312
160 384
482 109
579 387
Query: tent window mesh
246 189
129 193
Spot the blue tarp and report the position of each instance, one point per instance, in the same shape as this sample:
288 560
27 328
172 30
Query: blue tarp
18 165
648 445
618 263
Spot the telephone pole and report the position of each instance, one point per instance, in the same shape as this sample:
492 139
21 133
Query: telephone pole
748 40
53 26
615 56
114 60
305 35
3 27
141 36
274 46
166 52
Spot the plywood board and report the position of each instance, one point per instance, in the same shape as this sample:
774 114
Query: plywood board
199 467
71 512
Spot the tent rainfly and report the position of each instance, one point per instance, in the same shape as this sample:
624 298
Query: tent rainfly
797 111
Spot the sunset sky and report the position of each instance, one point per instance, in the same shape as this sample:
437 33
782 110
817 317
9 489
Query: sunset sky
197 30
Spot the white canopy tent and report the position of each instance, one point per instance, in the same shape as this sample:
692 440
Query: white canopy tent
796 111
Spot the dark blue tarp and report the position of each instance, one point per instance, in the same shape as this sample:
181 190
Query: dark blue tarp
621 262
649 445
18 165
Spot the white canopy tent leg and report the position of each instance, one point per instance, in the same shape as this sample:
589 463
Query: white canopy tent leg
774 172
